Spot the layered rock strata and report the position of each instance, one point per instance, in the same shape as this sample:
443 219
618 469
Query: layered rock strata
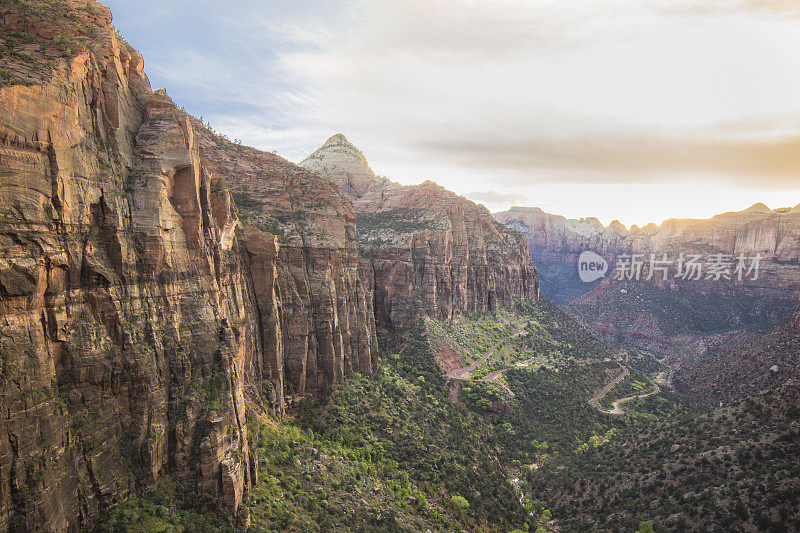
674 316
314 306
156 279
427 249
137 314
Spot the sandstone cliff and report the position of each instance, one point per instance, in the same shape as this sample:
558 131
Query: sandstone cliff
313 305
155 278
136 313
122 313
426 248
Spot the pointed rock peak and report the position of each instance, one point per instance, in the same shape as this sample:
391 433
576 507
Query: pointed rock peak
618 226
338 139
344 164
758 208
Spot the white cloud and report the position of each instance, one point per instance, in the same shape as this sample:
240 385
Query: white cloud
529 97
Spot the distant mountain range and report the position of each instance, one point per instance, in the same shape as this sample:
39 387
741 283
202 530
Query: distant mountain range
680 319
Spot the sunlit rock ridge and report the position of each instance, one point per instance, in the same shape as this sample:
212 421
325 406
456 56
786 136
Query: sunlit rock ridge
428 249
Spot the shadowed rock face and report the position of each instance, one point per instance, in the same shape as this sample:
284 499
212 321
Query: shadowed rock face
136 313
671 317
315 318
123 306
427 249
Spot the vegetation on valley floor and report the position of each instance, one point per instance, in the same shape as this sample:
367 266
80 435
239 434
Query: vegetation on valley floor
424 455
474 334
730 469
413 458
634 384
529 336
404 416
408 450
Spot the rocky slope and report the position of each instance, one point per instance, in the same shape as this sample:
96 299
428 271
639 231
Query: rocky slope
734 468
731 372
137 314
673 315
426 248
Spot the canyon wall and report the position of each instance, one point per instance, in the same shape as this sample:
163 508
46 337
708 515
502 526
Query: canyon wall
158 280
673 316
314 304
427 249
137 313
123 319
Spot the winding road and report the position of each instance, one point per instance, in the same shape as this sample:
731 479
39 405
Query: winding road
465 373
495 376
602 392
616 410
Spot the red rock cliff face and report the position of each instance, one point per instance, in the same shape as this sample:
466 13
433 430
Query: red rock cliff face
135 314
426 249
314 308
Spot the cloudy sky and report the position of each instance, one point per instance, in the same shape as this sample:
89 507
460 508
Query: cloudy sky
622 109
